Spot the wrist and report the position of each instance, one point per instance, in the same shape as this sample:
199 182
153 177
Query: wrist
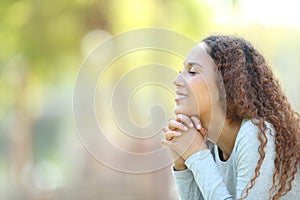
179 164
179 167
193 151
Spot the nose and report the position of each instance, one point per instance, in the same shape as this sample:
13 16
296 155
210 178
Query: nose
178 81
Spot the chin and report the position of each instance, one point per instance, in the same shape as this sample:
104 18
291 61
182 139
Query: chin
184 111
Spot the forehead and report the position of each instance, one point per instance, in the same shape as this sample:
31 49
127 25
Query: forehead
198 54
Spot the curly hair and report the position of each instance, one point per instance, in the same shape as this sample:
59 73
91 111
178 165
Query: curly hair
253 92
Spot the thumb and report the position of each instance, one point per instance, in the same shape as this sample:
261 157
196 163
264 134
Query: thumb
167 143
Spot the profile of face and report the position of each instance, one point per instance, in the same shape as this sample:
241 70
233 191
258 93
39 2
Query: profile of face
196 88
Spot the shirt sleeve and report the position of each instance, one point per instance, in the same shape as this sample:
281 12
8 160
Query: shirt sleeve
186 185
207 176
247 156
210 181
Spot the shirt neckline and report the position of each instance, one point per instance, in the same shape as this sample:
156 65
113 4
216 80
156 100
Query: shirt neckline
216 149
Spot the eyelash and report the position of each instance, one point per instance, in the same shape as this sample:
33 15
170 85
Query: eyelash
190 72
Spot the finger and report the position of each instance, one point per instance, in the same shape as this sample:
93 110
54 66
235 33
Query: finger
170 118
173 125
196 122
198 125
171 134
165 129
185 119
203 131
166 143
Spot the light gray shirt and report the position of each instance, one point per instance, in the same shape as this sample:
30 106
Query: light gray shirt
210 178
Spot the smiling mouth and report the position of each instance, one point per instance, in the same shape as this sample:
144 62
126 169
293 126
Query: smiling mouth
180 97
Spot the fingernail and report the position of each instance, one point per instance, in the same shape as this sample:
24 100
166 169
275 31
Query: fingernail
198 126
185 128
177 134
191 125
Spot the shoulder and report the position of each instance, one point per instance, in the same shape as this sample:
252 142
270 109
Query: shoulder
247 141
249 131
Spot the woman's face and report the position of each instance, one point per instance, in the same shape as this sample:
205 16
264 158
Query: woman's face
196 91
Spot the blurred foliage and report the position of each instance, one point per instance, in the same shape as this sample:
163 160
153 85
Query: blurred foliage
43 43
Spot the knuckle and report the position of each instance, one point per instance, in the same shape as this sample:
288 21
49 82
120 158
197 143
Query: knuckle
168 133
164 128
177 124
195 118
178 117
170 118
171 122
182 117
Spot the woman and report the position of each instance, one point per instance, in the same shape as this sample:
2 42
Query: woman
228 99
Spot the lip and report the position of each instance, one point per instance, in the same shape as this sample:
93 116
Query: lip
178 92
180 96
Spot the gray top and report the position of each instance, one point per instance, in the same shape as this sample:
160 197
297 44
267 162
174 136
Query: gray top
209 178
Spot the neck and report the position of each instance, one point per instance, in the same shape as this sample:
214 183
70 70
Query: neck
224 136
227 138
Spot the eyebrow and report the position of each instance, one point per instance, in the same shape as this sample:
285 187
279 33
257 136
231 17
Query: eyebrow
192 63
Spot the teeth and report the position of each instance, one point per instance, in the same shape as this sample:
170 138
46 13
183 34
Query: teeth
181 96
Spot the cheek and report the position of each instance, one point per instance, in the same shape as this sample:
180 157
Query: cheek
201 94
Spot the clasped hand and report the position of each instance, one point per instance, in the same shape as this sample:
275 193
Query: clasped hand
184 136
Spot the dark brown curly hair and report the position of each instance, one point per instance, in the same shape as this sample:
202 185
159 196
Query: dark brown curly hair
253 92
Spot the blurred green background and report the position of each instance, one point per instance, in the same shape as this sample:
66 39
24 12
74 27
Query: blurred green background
43 43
